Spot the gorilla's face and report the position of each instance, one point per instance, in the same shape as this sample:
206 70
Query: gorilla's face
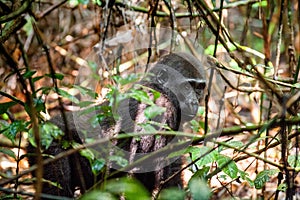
189 91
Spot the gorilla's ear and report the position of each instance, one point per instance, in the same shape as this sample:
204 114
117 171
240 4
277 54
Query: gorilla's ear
162 76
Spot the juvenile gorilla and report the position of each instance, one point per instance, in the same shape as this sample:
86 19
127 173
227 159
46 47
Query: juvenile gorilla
180 79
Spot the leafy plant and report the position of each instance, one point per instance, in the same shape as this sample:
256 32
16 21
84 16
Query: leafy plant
263 177
199 189
116 188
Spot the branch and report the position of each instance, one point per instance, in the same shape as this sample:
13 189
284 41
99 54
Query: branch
25 6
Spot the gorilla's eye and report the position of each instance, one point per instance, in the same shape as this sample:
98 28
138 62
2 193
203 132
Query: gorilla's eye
197 84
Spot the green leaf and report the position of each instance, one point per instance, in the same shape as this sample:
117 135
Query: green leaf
98 165
86 91
65 144
119 160
54 184
97 119
98 195
4 125
84 104
127 187
282 187
58 76
201 111
84 2
263 177
93 65
197 125
201 173
48 132
8 152
29 74
115 97
90 110
131 78
11 196
98 2
237 144
199 189
245 176
292 161
260 4
197 152
4 116
28 26
156 94
148 127
39 104
172 193
68 96
140 96
152 111
227 165
10 130
296 85
5 106
87 154
234 65
51 129
45 90
267 126
35 79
